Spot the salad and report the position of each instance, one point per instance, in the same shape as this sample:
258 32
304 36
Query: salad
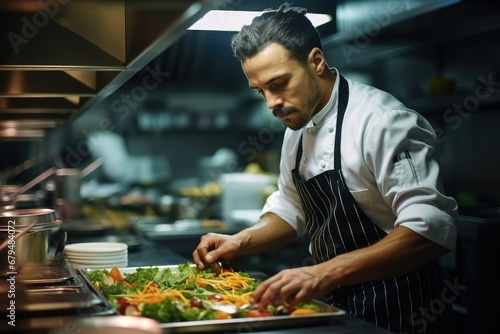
185 294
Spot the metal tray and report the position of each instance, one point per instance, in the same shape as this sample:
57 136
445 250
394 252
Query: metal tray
44 275
328 314
69 297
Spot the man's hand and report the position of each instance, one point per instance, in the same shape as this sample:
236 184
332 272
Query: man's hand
293 286
213 247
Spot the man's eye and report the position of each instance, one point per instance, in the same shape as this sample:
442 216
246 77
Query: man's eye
279 84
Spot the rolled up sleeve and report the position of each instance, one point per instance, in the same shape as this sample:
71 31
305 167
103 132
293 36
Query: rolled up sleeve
402 157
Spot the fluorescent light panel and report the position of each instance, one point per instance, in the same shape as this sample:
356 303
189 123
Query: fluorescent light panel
230 20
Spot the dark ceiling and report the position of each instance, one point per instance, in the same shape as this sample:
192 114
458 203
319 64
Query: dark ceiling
202 58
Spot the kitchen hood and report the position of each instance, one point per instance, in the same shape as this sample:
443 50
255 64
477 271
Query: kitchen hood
61 57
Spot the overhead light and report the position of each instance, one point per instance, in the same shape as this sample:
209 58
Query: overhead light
231 20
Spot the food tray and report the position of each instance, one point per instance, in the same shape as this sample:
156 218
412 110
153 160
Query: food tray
79 298
44 275
328 314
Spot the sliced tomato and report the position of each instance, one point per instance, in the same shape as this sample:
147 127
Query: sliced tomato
216 298
116 275
124 304
130 285
196 302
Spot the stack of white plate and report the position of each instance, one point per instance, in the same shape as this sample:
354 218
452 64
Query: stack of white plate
97 255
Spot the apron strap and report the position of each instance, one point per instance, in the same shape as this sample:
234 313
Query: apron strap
342 105
343 99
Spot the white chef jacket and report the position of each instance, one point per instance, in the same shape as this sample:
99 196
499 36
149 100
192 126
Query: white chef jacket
388 162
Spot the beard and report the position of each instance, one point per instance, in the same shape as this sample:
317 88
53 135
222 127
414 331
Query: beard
308 110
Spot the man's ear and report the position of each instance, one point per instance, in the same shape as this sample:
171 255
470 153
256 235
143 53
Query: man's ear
317 61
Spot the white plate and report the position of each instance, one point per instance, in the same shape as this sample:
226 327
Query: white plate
95 255
99 266
96 261
96 247
104 263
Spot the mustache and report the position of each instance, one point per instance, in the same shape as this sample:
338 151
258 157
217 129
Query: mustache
283 111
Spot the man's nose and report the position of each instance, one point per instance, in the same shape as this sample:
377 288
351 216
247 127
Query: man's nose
274 102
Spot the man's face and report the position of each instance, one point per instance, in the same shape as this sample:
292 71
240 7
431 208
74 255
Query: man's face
290 90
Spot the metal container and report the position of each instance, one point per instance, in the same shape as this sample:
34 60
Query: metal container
30 247
243 191
68 201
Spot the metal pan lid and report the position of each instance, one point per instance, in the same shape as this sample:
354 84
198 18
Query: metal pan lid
26 217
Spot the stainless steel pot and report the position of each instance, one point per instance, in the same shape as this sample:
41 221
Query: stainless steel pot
30 247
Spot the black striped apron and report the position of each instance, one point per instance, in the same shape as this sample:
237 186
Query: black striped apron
412 303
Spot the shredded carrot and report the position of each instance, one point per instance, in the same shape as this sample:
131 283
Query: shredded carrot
227 281
236 300
153 294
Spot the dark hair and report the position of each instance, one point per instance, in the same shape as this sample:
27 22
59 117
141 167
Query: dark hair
286 25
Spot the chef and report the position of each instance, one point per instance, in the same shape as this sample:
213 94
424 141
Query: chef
358 173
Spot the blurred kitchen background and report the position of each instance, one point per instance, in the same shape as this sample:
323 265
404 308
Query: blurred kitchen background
161 121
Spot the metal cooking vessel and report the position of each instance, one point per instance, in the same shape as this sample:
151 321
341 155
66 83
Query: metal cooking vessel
20 218
31 247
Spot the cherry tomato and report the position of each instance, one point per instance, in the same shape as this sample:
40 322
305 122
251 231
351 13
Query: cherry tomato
216 298
116 275
258 314
284 310
196 302
123 305
154 285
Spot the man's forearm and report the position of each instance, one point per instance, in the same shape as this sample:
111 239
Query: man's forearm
270 232
400 252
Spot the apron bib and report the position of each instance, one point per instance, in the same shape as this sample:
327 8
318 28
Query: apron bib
411 303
